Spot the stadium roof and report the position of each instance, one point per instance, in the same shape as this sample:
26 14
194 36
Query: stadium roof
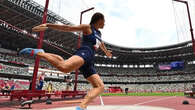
19 16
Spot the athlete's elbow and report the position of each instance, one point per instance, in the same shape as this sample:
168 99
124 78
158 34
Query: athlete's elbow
66 28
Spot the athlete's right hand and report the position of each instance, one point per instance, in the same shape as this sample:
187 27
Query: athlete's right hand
109 54
40 28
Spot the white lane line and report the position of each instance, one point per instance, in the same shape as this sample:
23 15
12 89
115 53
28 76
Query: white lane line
101 100
155 100
115 107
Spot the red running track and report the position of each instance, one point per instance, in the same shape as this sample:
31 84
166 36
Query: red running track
172 102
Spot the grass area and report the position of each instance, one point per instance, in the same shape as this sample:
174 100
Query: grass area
145 94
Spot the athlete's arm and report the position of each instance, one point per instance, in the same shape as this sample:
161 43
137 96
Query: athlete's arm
83 27
105 50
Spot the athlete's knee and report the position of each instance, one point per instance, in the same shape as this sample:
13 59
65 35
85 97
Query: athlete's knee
60 58
101 88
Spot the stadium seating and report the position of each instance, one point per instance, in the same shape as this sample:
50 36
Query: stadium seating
108 74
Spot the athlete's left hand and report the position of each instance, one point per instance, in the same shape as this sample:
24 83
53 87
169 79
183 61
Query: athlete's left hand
109 54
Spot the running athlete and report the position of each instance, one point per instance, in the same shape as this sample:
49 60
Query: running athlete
84 57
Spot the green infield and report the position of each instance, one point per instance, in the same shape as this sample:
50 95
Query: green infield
145 94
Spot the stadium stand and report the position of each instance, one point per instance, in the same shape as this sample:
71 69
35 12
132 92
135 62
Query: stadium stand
109 75
132 68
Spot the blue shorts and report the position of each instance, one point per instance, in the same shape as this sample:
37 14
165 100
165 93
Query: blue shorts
88 54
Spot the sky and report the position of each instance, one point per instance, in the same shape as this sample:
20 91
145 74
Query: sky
131 23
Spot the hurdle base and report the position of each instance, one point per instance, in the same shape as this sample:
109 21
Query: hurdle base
29 94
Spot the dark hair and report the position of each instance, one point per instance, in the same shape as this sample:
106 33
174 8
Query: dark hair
96 17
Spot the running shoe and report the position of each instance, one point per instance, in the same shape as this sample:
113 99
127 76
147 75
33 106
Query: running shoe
79 108
30 51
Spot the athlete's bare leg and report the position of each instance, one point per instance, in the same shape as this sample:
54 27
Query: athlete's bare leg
66 66
98 88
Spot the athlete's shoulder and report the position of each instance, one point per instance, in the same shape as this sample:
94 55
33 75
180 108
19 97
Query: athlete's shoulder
85 26
86 29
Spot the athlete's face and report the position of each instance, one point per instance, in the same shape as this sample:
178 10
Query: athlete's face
101 23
